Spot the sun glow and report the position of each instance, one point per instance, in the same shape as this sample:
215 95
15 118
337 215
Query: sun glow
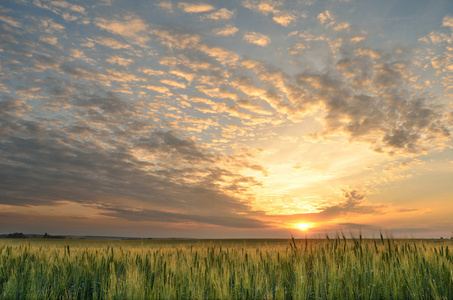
304 226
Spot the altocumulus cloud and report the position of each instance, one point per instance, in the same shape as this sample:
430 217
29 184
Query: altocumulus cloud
353 202
89 164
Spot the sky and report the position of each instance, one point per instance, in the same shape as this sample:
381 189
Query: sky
226 119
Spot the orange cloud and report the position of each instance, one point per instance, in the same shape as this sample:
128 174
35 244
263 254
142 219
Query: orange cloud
257 39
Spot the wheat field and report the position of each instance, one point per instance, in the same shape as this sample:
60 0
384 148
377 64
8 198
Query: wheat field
226 269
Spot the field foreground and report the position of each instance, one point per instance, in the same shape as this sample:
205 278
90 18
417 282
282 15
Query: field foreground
226 269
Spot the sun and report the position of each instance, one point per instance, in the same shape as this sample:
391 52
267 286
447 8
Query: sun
304 226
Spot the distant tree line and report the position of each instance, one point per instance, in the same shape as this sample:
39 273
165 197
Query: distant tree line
48 236
16 235
20 235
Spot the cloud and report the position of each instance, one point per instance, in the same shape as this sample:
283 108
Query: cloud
341 26
119 60
447 21
225 31
10 21
111 43
369 52
130 27
353 204
267 7
175 39
324 17
159 89
264 7
256 38
80 177
328 20
365 99
221 14
73 7
166 5
221 55
174 83
221 93
51 26
167 176
284 18
64 9
356 226
50 40
171 142
178 39
195 7
187 76
236 112
233 221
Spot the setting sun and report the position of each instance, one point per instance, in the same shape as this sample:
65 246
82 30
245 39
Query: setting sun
303 226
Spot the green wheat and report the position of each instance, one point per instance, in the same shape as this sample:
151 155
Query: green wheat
299 269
